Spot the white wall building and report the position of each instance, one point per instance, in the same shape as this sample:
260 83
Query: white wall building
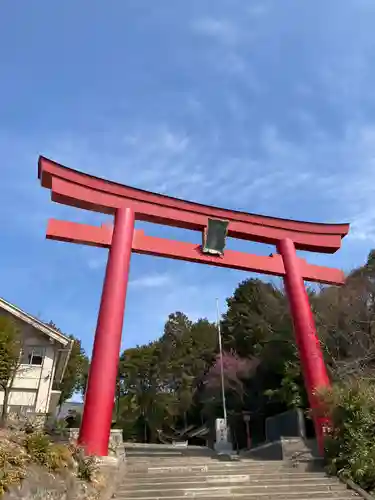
45 353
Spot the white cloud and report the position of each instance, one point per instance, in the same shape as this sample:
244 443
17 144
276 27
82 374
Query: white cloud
226 54
338 171
173 142
258 9
97 263
151 281
220 30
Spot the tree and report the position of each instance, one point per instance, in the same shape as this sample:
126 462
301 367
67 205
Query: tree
76 372
256 312
146 398
75 375
10 353
346 323
258 324
187 351
174 383
349 445
235 371
158 383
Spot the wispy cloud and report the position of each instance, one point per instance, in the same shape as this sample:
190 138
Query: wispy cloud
258 9
260 108
96 263
163 160
221 30
151 281
225 54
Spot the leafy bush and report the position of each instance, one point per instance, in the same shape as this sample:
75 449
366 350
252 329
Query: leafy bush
87 466
38 446
48 454
350 444
8 477
11 468
29 427
73 420
60 457
56 427
27 460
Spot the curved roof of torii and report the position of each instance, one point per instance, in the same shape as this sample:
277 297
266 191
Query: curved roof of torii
74 188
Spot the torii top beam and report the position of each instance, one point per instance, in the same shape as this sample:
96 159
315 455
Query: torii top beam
74 188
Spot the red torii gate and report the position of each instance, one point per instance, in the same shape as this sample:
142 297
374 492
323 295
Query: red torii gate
127 204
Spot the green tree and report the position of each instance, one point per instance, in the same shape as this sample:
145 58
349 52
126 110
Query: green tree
346 323
146 398
187 351
163 386
256 313
158 384
10 353
349 445
76 372
75 376
258 324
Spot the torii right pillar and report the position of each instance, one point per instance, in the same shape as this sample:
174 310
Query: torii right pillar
310 353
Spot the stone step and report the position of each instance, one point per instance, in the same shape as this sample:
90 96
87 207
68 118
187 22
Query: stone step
160 446
212 478
229 480
201 458
152 475
264 495
172 458
166 453
207 467
302 488
212 460
165 472
163 450
146 465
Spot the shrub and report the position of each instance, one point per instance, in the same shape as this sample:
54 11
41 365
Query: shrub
38 447
8 477
48 454
60 427
73 420
60 457
86 465
56 428
11 468
34 456
350 444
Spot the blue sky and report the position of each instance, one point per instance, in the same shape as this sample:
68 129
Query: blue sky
264 106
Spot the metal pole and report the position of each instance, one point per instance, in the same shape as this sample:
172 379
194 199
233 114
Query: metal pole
221 362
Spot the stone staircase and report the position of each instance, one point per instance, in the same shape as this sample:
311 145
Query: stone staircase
165 472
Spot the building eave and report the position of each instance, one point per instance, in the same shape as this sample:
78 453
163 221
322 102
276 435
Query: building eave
34 322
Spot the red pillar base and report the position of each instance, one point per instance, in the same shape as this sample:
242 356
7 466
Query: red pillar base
311 356
100 393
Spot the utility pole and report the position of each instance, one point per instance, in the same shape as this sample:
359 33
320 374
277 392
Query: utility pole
221 363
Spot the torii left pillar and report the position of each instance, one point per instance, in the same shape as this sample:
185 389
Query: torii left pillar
100 392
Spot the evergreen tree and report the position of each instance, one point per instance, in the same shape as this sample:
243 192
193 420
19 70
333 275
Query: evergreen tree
10 354
76 372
